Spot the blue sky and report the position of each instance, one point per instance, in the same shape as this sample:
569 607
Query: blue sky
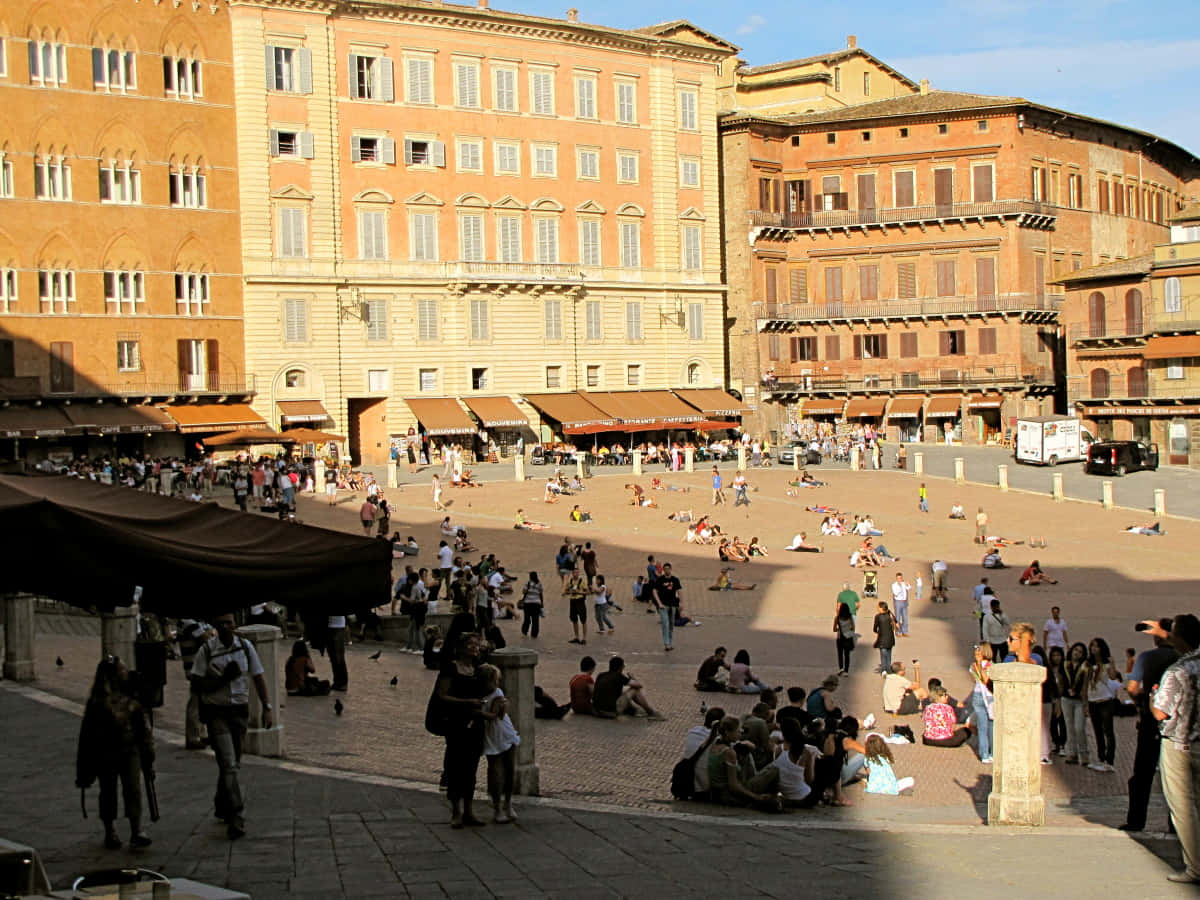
1134 63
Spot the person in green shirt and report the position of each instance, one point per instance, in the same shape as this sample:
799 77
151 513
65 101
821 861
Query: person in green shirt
848 597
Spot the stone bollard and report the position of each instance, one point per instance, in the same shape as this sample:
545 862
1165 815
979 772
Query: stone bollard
1160 502
1002 476
689 459
1106 494
637 462
742 457
259 741
18 636
519 467
796 458
319 475
918 463
854 455
391 474
118 633
517 668
579 466
960 474
1057 487
1016 797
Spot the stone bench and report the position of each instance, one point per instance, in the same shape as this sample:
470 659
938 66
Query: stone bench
395 628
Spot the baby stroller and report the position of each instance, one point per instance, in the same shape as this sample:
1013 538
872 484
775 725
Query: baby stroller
870 583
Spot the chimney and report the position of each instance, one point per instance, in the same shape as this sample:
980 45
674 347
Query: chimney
851 41
572 15
924 85
483 4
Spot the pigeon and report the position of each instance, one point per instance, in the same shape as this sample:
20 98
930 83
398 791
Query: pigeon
395 680
376 654
338 706
59 662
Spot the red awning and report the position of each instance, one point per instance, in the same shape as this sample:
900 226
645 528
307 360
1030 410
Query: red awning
824 407
865 407
944 408
905 408
201 417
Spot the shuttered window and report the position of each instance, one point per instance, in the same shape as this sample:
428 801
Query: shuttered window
541 92
952 343
547 240
377 320
594 315
631 245
418 80
866 192
293 243
688 119
552 316
695 321
868 282
798 286
470 238
771 284
371 78
692 258
508 238
946 278
423 245
633 320
295 320
372 235
833 283
479 319
906 280
585 98
626 102
987 341
774 340
589 242
466 85
427 319
905 190
833 347
908 345
804 349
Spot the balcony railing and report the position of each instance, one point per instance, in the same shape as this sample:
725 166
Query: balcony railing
1157 389
34 387
1121 328
1038 215
923 380
929 307
536 271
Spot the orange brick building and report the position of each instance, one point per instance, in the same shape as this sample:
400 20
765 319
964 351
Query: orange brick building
889 261
120 267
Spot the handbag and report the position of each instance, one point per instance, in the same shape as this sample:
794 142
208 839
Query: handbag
435 714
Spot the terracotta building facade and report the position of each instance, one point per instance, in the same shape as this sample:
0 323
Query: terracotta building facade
444 205
891 262
120 272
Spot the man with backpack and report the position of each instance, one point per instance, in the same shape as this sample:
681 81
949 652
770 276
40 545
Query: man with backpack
696 745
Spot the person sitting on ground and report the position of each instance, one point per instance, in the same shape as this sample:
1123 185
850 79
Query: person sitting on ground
992 560
522 522
637 494
728 551
733 778
957 511
618 694
702 736
797 707
879 550
797 767
741 679
580 515
800 544
866 528
831 759
756 728
546 707
724 583
582 687
576 484
300 675
684 515
881 779
755 548
711 675
1034 575
902 697
741 546
961 712
1149 530
941 722
551 492
462 543
831 527
820 701
448 530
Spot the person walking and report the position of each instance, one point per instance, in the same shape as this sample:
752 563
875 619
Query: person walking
981 526
847 596
995 630
115 743
221 674
367 514
982 704
901 594
843 627
531 603
884 627
1176 706
740 488
436 484
718 492
576 594
667 589
335 646
460 691
1148 670
922 497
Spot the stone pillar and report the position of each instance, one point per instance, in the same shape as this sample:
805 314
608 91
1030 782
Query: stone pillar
918 463
796 457
517 668
518 467
1106 494
118 633
1057 487
854 455
267 640
637 462
18 637
1016 797
1160 502
579 465
391 473
1002 476
319 475
742 457
689 459
960 474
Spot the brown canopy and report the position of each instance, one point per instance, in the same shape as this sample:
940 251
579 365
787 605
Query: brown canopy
249 436
311 436
91 544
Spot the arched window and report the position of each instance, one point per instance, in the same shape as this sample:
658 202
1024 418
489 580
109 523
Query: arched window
1133 311
295 378
114 68
1172 295
188 183
120 179
1096 323
1099 383
693 373
1136 383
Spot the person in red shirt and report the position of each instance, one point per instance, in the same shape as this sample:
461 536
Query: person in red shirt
1035 575
582 687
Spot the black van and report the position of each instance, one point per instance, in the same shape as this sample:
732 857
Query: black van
1119 457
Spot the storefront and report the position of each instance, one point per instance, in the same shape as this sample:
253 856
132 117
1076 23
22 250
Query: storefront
1175 428
943 419
904 419
986 411
720 407
35 433
440 422
197 421
503 424
866 411
567 415
303 413
120 429
823 410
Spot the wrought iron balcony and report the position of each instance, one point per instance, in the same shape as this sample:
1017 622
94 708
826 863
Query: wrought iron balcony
788 384
1028 213
781 316
32 387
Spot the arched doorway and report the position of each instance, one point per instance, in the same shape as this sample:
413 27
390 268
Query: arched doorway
1133 311
1096 323
1099 383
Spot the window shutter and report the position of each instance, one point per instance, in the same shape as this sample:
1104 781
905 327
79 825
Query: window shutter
833 347
868 282
183 357
983 184
355 149
306 145
305 59
906 281
833 283
943 343
408 152
212 356
771 284
437 153
776 195
866 192
794 349
353 70
387 79
883 348
858 346
799 285
387 147
269 54
905 194
987 341
274 140
908 345
946 279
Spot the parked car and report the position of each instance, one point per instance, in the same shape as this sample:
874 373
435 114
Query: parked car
1119 457
808 457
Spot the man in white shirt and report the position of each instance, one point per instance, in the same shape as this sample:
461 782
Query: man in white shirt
938 570
901 592
445 561
696 738
1054 632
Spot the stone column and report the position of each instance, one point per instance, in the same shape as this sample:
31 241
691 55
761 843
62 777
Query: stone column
637 462
1016 797
267 641
319 475
1002 476
1056 489
579 465
517 667
1106 494
854 454
742 457
918 463
518 467
118 633
18 637
689 459
796 458
1160 502
391 473
960 474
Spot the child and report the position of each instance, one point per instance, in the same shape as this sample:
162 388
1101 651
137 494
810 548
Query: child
639 585
500 740
600 595
880 778
923 498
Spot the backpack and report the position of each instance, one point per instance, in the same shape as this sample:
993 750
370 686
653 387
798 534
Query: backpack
435 714
683 776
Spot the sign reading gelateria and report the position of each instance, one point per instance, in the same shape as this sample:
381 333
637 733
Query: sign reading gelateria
1101 412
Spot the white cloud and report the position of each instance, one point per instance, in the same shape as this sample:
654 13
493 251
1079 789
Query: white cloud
752 24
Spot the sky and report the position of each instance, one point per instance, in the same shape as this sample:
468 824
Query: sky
1124 61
